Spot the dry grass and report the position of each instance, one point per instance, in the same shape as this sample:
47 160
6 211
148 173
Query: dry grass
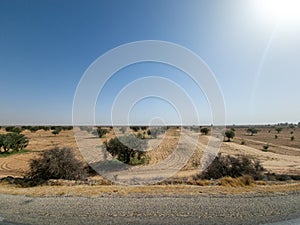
237 182
166 190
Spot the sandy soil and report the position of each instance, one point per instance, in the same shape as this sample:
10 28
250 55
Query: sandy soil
283 155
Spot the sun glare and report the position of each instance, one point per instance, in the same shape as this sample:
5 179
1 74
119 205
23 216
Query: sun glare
281 11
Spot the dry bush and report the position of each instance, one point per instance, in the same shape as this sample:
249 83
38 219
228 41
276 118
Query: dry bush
223 166
55 164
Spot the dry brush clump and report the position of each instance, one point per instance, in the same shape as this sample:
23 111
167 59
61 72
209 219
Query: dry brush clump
55 164
229 166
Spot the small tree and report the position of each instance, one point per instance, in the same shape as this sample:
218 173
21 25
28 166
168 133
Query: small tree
229 134
252 130
292 138
204 130
278 129
13 142
127 149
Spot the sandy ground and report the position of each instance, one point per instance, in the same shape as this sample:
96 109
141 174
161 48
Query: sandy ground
283 155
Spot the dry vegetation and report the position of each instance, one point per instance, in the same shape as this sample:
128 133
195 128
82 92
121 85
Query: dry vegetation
282 157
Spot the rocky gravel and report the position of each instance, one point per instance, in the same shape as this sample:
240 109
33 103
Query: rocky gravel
150 209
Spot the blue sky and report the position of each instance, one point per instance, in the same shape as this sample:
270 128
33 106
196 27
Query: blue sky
46 46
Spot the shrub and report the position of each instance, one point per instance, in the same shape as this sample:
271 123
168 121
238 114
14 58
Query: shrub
155 131
134 128
123 129
252 130
14 129
229 134
101 132
265 147
292 138
56 164
204 130
276 136
56 131
243 142
223 166
127 149
278 129
86 128
13 142
140 136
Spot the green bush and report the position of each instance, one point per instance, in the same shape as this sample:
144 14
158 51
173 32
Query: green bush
57 130
56 164
100 132
204 130
134 128
13 129
278 129
229 134
127 149
252 130
13 142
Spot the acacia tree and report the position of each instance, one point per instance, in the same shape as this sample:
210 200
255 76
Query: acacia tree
278 129
229 134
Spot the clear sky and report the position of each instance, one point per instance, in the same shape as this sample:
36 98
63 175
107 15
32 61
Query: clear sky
252 48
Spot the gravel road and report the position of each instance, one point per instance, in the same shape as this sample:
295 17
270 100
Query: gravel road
146 209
